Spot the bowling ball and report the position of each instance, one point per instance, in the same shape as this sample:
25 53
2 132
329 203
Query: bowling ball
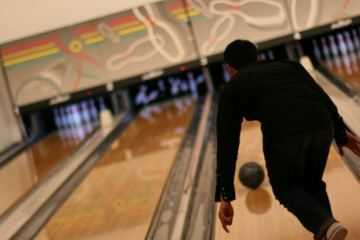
251 175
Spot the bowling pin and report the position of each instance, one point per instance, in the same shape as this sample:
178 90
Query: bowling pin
70 117
333 46
349 42
356 39
76 115
351 48
101 103
344 51
226 74
342 45
325 48
85 115
93 112
262 56
317 50
356 43
63 117
271 54
57 117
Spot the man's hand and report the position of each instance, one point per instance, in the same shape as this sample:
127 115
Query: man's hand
226 214
353 144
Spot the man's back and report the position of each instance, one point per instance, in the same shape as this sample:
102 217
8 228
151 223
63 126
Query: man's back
281 95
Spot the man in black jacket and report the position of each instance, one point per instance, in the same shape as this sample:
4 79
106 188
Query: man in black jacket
298 122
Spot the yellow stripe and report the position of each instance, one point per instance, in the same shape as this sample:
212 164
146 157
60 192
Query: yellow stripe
125 25
94 40
40 54
131 30
28 51
182 10
184 16
89 35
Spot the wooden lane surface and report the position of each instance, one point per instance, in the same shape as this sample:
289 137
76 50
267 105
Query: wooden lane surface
31 166
118 198
259 216
346 68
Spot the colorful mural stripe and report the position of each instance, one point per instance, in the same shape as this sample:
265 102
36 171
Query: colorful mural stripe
121 26
25 46
183 12
31 56
29 51
127 28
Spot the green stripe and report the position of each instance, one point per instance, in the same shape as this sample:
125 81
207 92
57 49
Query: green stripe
96 45
39 60
194 18
133 35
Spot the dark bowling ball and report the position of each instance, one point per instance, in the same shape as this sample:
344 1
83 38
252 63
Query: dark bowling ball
251 175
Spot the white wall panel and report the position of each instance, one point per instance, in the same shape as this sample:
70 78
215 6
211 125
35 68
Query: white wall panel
20 19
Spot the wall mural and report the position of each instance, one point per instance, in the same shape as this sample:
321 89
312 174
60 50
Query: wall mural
306 14
225 20
151 37
94 53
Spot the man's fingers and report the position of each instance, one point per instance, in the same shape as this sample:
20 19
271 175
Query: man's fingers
225 228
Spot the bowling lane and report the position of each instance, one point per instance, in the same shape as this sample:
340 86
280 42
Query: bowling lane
259 216
34 164
119 197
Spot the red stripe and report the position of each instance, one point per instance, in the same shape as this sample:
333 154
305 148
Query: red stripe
176 5
121 20
25 45
346 3
79 31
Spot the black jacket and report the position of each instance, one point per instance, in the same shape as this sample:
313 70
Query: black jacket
284 97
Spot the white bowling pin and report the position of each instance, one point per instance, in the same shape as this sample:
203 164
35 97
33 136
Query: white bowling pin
333 46
325 48
93 111
76 115
316 50
101 103
349 42
57 117
262 56
64 117
70 116
356 39
342 45
351 48
85 115
271 54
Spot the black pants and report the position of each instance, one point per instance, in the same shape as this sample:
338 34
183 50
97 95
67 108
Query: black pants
295 167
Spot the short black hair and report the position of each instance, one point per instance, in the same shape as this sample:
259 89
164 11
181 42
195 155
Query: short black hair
240 52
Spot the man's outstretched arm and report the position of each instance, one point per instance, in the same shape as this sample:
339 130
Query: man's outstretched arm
229 120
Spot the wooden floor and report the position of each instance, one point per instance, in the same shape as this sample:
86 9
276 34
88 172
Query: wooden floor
118 198
31 166
258 215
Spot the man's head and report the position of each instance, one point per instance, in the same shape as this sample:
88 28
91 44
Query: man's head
239 53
